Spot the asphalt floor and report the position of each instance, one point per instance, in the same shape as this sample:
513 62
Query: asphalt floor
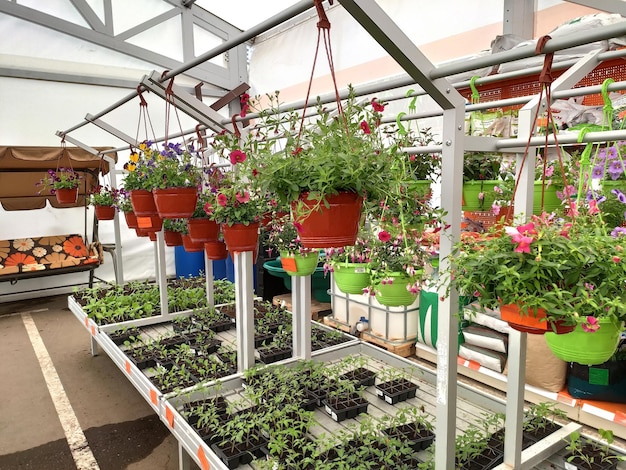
64 409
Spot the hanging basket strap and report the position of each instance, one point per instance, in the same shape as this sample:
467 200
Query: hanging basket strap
144 116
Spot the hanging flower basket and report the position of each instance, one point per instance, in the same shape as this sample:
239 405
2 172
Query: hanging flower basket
240 237
172 238
141 232
299 265
66 196
152 223
351 278
216 250
551 202
152 235
533 324
392 291
202 230
328 227
587 348
472 191
143 203
131 219
190 246
175 203
105 212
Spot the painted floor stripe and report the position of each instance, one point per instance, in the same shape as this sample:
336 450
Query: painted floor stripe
76 439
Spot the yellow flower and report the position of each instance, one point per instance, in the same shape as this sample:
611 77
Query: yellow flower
143 146
134 157
131 167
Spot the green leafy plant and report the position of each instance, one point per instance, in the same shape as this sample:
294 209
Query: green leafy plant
574 270
175 225
61 178
587 452
481 166
283 236
104 196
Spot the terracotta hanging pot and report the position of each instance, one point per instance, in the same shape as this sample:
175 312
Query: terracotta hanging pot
202 230
143 203
172 238
66 196
328 227
131 219
533 324
190 246
141 232
105 212
215 250
175 203
240 237
152 235
152 223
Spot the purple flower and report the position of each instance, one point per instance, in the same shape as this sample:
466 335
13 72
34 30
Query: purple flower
621 197
597 172
615 170
618 232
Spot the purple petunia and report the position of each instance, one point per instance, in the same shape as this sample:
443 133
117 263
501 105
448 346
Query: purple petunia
598 172
621 197
615 170
618 232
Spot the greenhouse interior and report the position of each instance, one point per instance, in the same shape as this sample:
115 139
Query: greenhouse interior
168 173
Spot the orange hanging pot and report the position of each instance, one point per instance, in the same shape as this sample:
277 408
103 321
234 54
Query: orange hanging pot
172 238
190 246
327 227
66 196
105 212
152 235
131 219
202 230
240 237
215 250
143 203
175 203
532 323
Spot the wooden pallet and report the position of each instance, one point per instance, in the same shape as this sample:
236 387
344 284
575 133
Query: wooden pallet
316 306
330 321
399 348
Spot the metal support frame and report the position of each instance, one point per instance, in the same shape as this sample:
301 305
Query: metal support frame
244 309
208 269
112 130
301 310
159 254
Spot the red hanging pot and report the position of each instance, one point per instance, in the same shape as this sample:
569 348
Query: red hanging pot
152 236
131 219
175 203
202 230
152 223
328 227
172 238
190 246
141 232
240 237
215 250
66 196
535 324
105 212
143 203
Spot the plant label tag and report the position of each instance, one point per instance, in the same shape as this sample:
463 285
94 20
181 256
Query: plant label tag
328 410
360 270
379 393
144 222
388 399
569 466
289 264
598 376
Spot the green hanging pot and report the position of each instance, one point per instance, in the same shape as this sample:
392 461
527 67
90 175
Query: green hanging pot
584 347
351 278
299 265
471 193
392 291
551 201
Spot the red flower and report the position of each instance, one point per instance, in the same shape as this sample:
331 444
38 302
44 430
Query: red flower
237 156
591 325
243 197
616 259
298 226
208 208
255 172
222 200
244 110
365 127
384 236
297 151
378 107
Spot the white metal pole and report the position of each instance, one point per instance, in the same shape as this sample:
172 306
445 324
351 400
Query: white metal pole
244 310
301 309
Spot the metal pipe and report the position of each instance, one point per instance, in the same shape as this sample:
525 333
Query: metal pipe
262 27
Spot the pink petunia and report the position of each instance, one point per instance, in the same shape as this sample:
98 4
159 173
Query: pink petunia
384 236
222 200
208 208
495 209
237 156
591 324
243 197
365 127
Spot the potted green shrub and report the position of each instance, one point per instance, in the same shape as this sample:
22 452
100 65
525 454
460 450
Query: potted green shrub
547 274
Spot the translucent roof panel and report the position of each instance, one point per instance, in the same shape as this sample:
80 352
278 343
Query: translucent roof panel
244 14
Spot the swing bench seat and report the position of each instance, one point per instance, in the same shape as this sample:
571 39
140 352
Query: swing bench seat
28 258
